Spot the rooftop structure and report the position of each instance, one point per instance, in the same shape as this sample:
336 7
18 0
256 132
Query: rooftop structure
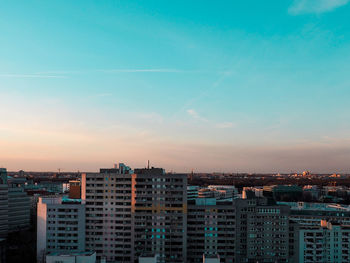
82 257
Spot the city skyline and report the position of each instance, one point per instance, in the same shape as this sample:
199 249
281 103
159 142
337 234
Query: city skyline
230 87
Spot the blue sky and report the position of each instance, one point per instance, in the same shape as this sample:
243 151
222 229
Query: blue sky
230 86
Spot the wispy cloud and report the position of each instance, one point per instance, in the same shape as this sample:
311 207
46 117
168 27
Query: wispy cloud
41 76
66 73
224 125
300 7
194 114
157 70
117 70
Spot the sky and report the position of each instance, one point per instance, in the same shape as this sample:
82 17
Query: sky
225 86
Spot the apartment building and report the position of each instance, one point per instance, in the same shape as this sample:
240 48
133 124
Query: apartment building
192 192
3 203
19 206
131 213
327 242
108 212
159 214
210 230
261 231
60 226
313 213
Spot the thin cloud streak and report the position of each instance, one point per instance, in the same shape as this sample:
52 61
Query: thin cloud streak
194 114
41 76
300 7
159 70
64 74
224 125
120 70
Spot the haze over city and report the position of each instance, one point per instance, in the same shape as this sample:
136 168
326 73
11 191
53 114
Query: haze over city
225 86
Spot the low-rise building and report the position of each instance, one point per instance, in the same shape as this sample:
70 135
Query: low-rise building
211 259
82 257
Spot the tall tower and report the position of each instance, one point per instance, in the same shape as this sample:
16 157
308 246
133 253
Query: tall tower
159 214
132 214
108 212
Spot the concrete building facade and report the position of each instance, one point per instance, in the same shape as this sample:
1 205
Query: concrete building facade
19 205
83 257
262 231
3 203
327 242
60 226
108 213
132 213
210 230
159 214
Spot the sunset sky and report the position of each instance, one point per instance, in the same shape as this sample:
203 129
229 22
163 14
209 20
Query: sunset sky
227 86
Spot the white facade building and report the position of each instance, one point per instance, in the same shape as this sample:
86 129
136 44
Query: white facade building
60 226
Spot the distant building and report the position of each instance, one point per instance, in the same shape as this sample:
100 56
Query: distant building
217 191
283 192
224 191
75 189
313 213
250 192
60 226
311 192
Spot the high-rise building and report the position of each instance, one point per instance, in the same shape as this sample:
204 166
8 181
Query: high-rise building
327 242
19 206
210 230
3 203
108 212
159 214
129 214
60 226
261 231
